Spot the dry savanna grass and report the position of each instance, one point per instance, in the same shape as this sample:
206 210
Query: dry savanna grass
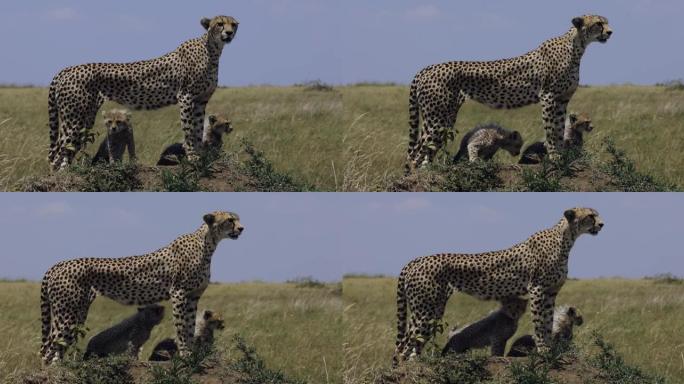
642 318
294 329
354 138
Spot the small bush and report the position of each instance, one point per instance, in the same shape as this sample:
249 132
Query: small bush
182 179
315 85
624 175
615 370
252 368
106 370
267 178
105 177
666 278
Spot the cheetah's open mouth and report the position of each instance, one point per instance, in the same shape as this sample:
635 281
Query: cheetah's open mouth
594 231
234 235
602 39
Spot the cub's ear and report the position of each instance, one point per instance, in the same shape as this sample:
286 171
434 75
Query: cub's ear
212 119
571 311
209 218
208 315
578 22
569 214
515 135
205 23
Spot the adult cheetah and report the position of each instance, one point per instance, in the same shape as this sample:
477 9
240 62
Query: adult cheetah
179 271
536 267
187 76
548 74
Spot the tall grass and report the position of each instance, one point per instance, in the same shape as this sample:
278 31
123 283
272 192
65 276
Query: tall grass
355 137
641 318
296 330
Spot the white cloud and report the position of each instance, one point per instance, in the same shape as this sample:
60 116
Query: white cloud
427 12
63 14
56 208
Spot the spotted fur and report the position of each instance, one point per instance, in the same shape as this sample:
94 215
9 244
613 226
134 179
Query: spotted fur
493 330
119 137
215 126
536 267
483 141
575 127
565 318
186 76
548 74
127 336
179 272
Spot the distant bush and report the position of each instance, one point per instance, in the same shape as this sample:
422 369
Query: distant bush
315 85
672 85
306 282
666 278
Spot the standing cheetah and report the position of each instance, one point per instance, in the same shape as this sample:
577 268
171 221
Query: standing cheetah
180 272
119 137
187 76
483 141
536 267
127 336
494 330
548 74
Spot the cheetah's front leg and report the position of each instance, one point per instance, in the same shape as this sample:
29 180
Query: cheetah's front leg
553 115
192 120
542 304
184 312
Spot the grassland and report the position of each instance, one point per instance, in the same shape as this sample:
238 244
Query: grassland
296 330
354 138
642 318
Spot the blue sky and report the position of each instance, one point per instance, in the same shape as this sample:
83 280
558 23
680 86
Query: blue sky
282 42
327 234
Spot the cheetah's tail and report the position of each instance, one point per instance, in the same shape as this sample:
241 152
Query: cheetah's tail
401 319
53 122
45 314
414 121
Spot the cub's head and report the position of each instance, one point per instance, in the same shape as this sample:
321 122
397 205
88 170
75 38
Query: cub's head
151 314
583 220
592 28
220 124
224 224
117 120
579 122
514 308
575 316
212 319
513 143
221 29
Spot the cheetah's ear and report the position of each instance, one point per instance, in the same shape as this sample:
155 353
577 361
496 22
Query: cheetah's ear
209 218
569 214
212 119
578 22
205 23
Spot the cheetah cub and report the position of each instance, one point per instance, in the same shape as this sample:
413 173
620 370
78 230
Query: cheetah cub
564 319
575 127
119 137
483 141
215 126
494 330
207 323
128 336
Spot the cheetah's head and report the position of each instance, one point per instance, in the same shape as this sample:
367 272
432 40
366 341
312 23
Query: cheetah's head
117 120
583 220
513 143
220 124
575 315
224 224
579 122
151 314
592 28
221 29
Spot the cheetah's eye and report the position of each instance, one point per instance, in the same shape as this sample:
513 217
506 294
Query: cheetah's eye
220 24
